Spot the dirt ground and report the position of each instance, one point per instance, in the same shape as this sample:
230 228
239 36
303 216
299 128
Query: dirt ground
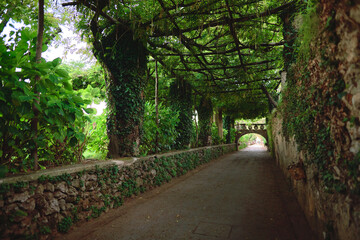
242 195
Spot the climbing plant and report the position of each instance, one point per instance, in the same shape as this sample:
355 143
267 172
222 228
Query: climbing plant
205 111
311 105
124 60
180 97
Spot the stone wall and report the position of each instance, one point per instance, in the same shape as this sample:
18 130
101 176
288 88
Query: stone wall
348 54
331 215
320 114
41 204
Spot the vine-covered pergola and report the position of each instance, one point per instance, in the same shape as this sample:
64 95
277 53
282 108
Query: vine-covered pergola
230 50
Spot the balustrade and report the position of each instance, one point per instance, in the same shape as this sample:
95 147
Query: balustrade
252 127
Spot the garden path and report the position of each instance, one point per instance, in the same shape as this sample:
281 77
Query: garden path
242 195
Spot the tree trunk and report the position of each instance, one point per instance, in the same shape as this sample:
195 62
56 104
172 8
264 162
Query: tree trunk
124 58
35 120
205 111
219 123
227 126
180 97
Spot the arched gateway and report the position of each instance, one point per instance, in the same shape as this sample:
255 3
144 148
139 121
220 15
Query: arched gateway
243 129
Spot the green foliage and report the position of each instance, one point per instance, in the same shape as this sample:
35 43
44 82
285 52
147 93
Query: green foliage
44 230
215 135
193 140
205 111
164 134
88 81
270 140
246 139
61 116
65 224
229 132
97 141
308 20
180 96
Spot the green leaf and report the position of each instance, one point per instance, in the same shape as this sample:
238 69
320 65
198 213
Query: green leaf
89 110
80 136
3 169
62 73
67 85
25 98
73 141
56 62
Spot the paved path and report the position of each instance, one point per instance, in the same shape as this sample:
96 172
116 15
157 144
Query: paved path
239 196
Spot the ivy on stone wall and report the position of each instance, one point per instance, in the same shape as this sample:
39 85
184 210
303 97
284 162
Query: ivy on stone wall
312 109
181 101
35 209
205 111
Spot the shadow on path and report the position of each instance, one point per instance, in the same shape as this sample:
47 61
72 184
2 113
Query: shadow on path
242 195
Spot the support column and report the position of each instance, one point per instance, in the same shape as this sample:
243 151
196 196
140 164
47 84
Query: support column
124 59
219 123
205 111
180 97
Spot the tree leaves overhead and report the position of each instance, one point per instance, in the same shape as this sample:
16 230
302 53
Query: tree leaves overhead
220 47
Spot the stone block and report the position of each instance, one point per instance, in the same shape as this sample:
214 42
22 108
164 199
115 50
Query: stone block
62 204
40 189
139 181
52 207
29 205
10 208
49 187
76 183
19 197
49 196
60 195
62 186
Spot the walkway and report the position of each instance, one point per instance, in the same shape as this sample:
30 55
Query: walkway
239 196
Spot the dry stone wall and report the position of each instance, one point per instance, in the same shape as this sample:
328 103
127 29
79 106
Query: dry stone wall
316 129
42 204
331 215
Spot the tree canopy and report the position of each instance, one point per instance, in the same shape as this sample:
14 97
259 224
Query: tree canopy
229 53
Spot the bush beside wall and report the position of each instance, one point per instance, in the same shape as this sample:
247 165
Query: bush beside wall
41 204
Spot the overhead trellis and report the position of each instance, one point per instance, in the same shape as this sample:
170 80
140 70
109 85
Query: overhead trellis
219 46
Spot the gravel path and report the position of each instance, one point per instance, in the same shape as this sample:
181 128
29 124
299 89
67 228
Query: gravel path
238 196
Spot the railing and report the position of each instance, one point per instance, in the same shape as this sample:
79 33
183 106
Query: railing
252 127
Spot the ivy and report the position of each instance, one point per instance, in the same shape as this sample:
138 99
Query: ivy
180 96
65 224
205 111
124 59
311 106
